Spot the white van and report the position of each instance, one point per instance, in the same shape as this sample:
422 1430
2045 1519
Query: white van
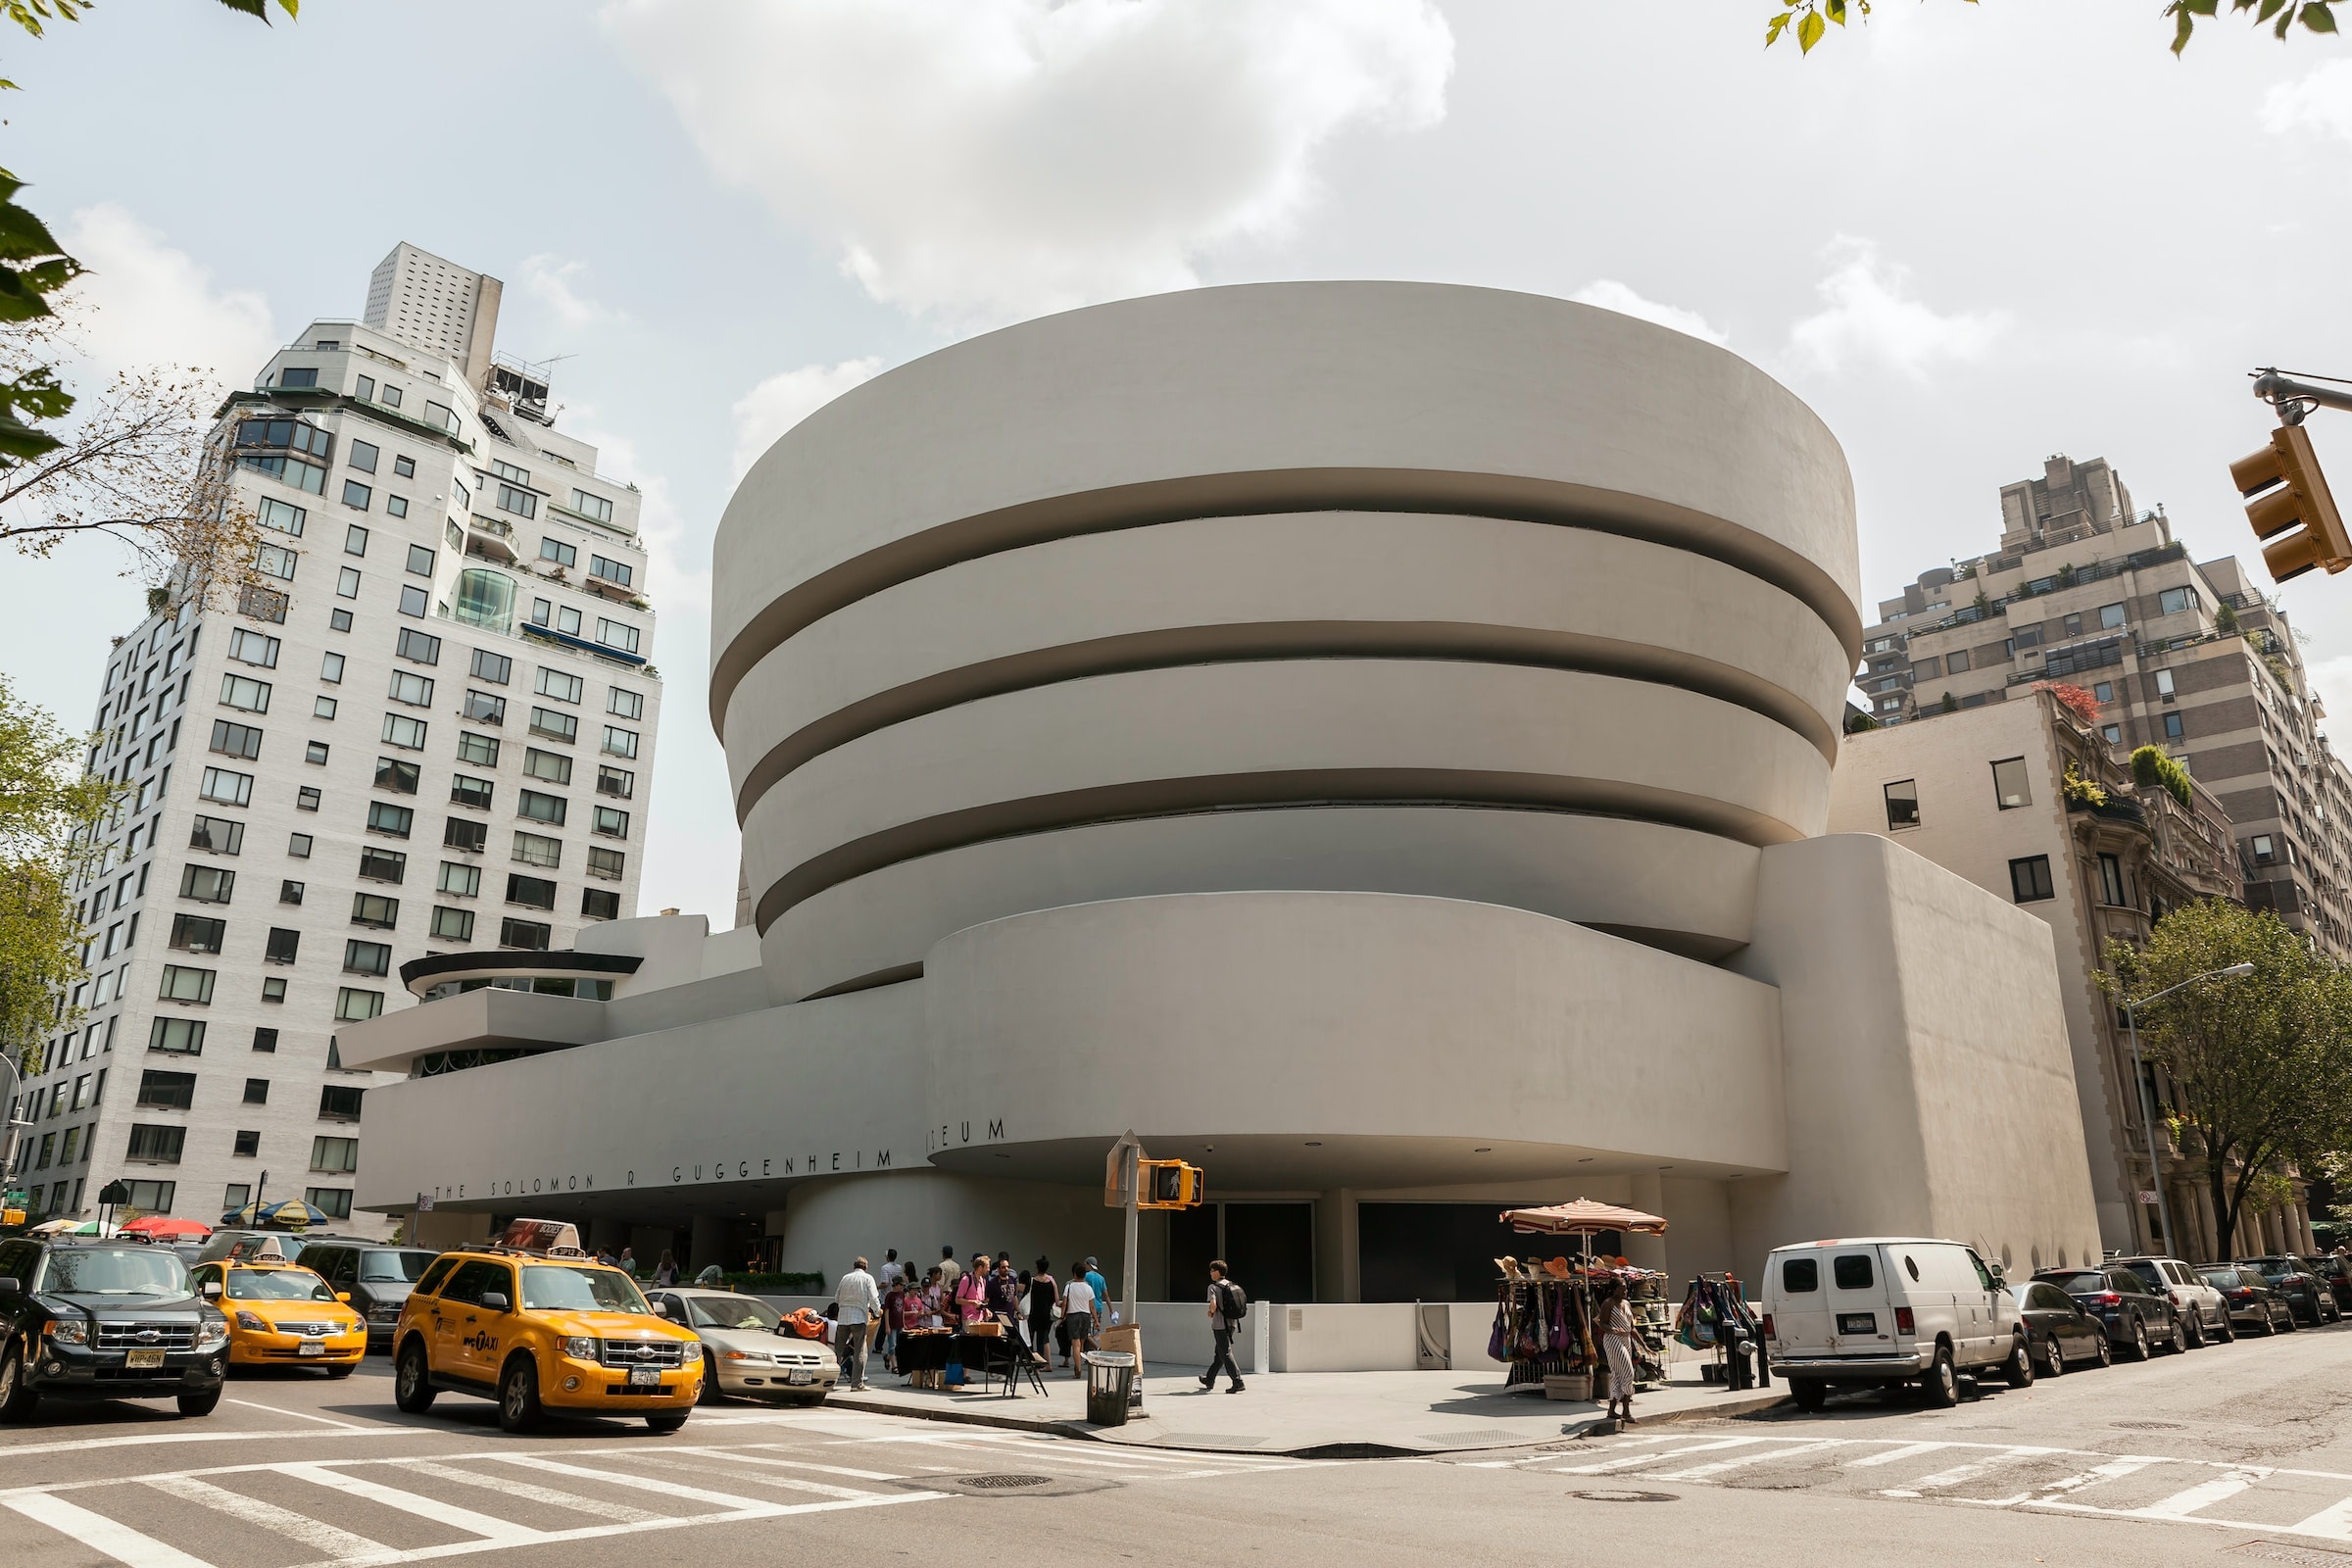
1879 1310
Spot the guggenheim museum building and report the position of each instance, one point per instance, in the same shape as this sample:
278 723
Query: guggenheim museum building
1373 740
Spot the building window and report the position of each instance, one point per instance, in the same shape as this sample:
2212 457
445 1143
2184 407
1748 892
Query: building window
338 619
375 910
183 984
619 782
207 884
274 561
418 647
537 807
330 670
397 777
271 513
1956 662
265 1040
2172 728
627 703
559 686
555 726
332 1201
347 586
612 571
405 732
239 691
470 791
252 648
588 504
338 1102
2114 734
382 866
461 881
421 561
2010 788
2266 851
2173 601
394 821
307 798
367 957
531 892
1902 804
216 835
322 708
355 495
452 925
2163 684
2110 616
599 904
361 455
338 1154
522 503
557 551
530 934
2104 691
2111 882
283 946
621 742
464 835
314 753
236 740
197 933
353 1005
531 849
606 863
609 821
148 1197
2029 879
156 1145
411 688
289 893
257 1091
496 668
617 634
483 707
169 1091
2073 626
404 467
273 990
354 542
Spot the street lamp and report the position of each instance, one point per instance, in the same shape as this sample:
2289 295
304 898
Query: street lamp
2139 1077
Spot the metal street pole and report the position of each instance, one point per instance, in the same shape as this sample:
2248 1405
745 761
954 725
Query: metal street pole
2147 1105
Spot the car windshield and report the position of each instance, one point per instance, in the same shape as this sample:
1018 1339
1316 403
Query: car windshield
550 1286
277 1285
730 1312
396 1268
117 1271
2083 1284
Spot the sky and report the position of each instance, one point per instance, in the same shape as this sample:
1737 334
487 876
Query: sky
1969 235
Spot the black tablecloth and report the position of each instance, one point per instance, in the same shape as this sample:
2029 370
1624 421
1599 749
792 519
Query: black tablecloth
931 1352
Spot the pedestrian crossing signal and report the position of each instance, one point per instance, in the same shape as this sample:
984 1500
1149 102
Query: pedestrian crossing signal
1171 1184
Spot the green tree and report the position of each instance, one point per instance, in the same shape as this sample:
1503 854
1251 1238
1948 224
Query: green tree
1808 20
49 815
2260 1066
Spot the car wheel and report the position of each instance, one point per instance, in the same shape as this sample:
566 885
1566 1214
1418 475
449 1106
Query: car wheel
412 1384
2139 1340
2053 1356
2105 1353
18 1398
519 1396
2227 1332
1942 1382
2194 1332
709 1393
2019 1367
667 1421
2295 1324
1810 1393
204 1403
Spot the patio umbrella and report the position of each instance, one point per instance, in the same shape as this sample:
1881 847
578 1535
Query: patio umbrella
289 1214
162 1227
1583 1217
72 1227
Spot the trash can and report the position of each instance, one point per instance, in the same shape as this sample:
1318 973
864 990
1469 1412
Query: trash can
1110 1381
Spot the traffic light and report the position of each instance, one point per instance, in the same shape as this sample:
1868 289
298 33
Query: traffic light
2285 490
1170 1184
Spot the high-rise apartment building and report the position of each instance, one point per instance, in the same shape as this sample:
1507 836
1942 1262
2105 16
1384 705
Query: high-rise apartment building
2179 653
432 732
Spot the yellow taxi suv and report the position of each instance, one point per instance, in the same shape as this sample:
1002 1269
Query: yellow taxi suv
281 1314
533 1322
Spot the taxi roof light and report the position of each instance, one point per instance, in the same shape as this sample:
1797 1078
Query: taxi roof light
533 1237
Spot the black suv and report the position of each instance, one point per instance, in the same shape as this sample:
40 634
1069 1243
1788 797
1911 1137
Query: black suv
2132 1314
372 1277
105 1320
2314 1302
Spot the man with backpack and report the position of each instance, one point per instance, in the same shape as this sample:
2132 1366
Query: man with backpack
1228 1304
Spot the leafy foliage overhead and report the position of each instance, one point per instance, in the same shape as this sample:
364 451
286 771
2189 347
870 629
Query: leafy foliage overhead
1809 19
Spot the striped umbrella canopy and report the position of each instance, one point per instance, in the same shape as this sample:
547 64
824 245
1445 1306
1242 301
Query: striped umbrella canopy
1583 1217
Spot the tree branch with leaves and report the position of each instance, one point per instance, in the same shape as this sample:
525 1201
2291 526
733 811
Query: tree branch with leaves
1809 20
51 813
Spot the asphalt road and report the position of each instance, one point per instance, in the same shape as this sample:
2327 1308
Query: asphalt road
2233 1455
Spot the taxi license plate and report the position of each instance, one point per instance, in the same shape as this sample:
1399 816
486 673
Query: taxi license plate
800 1379
310 1347
645 1377
143 1358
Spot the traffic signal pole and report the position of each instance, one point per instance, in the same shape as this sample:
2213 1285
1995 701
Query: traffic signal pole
2287 500
2287 396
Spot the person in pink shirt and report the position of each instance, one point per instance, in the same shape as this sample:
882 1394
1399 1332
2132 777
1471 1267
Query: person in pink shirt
971 1292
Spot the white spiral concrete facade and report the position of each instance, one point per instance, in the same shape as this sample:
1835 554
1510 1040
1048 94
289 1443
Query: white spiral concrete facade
1379 733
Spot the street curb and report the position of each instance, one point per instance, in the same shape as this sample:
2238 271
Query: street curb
967 1415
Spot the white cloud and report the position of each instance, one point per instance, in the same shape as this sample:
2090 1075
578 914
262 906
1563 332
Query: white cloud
149 304
2322 103
785 399
983 159
1871 316
1611 295
553 281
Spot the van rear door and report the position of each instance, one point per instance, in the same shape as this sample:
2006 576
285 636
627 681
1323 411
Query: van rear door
1861 1312
1796 1294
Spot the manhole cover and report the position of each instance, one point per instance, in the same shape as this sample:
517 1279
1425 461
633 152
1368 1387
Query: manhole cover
1476 1438
2148 1426
1002 1483
1618 1494
2290 1552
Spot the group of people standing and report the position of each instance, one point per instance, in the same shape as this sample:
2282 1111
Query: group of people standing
1053 1320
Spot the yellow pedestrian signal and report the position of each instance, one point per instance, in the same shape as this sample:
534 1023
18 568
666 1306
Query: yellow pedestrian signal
2285 490
1170 1184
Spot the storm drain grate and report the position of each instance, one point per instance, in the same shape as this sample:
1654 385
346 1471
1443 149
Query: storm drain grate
1478 1437
1002 1483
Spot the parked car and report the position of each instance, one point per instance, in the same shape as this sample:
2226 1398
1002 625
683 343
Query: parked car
2060 1332
375 1279
2253 1304
2202 1313
1887 1311
2136 1317
2314 1302
2336 1274
746 1352
86 1319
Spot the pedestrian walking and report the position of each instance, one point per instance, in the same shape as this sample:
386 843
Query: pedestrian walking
1105 1317
1078 1316
1226 1305
665 1272
856 1300
892 1272
949 1268
894 1318
1617 1339
1043 1292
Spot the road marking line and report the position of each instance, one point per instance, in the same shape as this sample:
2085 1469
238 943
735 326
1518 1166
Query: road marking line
2330 1524
99 1532
669 1489
144 1439
337 1543
507 1487
1969 1471
303 1415
831 1469
501 1532
1628 1461
1703 1472
1905 1451
2180 1505
664 1461
2066 1486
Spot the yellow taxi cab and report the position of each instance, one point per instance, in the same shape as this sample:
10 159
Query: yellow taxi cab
533 1322
280 1313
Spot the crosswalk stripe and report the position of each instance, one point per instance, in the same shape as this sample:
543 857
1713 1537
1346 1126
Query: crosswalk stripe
2180 1505
1969 1471
1629 1461
665 1461
507 1487
99 1532
1891 1455
2332 1523
1703 1472
341 1544
2067 1486
833 1469
669 1489
505 1532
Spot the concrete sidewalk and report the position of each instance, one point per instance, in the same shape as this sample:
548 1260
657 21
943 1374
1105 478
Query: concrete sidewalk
1319 1414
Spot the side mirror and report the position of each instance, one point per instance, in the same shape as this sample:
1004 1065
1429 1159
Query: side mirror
10 1285
212 1290
493 1301
344 1297
660 1309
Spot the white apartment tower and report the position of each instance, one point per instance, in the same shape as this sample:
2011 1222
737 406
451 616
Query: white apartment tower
432 734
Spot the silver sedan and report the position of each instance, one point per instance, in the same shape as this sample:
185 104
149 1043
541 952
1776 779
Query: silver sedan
746 1354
